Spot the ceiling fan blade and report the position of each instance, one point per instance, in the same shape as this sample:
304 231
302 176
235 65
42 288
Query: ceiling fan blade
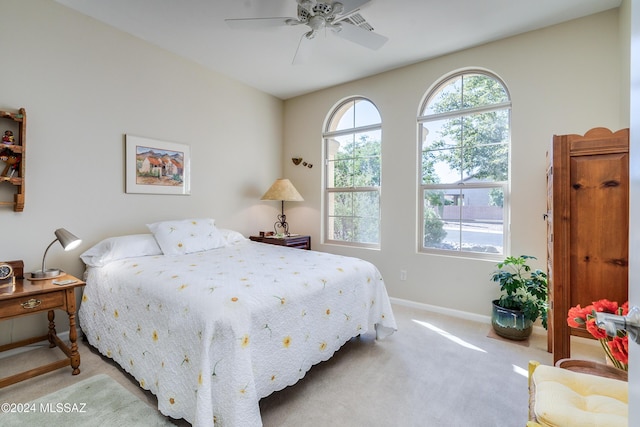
253 23
363 37
351 5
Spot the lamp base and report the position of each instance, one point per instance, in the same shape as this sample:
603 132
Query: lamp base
49 273
281 227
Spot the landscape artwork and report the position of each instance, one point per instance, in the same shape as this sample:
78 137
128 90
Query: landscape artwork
156 167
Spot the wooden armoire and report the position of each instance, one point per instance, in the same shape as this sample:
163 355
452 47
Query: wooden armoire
587 227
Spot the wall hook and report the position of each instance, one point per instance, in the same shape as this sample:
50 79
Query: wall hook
296 161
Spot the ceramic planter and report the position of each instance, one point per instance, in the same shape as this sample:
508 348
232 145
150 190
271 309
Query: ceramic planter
510 324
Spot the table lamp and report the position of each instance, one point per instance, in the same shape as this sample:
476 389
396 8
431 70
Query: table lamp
284 191
68 242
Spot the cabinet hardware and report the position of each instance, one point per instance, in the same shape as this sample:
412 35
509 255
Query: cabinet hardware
32 303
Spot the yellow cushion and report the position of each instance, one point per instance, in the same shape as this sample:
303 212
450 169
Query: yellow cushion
566 398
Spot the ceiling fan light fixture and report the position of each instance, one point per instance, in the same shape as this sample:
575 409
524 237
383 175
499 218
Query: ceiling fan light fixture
317 23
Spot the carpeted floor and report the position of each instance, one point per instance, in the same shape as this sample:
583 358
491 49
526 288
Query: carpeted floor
435 371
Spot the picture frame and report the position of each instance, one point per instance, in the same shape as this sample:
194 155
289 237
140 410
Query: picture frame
157 167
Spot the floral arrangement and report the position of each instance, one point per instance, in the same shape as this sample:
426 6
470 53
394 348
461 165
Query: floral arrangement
616 348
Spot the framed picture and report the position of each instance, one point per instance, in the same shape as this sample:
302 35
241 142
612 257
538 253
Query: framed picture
157 167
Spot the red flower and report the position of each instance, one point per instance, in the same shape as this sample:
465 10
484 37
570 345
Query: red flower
578 316
624 309
605 306
620 349
616 348
598 333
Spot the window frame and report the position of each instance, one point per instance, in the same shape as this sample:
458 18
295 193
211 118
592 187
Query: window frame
424 188
335 114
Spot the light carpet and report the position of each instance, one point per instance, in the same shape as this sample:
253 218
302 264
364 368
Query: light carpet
95 401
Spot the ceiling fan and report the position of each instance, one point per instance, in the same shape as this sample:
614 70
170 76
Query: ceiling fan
341 17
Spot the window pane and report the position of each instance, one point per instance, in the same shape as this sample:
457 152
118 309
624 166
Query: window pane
479 90
441 166
340 161
446 98
343 117
340 228
366 164
433 224
482 223
466 220
366 172
439 134
354 160
366 204
468 91
366 113
340 174
485 155
340 204
353 114
441 161
341 147
366 230
354 216
367 143
486 163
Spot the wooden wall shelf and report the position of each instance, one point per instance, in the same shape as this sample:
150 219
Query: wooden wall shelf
15 122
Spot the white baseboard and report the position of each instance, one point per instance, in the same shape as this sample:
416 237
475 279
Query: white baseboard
455 313
443 310
64 336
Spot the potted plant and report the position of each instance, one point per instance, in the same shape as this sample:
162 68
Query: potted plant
523 299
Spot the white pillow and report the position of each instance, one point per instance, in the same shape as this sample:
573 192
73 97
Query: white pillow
186 236
115 248
231 236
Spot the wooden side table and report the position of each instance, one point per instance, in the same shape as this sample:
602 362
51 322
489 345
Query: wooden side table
593 368
300 242
29 297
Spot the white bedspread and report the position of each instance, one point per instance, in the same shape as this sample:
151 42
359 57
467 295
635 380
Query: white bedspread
211 333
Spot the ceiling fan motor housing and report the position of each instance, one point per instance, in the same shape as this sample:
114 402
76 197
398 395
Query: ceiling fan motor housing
308 10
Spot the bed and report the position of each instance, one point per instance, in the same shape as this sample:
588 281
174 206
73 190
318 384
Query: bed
212 331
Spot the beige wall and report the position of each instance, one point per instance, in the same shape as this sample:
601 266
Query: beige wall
84 85
563 79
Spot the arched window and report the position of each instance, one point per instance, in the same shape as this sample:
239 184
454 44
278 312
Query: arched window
465 138
352 152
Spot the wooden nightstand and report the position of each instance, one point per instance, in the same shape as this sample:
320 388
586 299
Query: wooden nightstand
30 297
301 242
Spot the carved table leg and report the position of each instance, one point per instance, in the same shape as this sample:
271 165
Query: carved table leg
73 337
52 328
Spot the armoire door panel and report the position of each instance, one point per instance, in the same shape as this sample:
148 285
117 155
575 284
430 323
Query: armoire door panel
599 227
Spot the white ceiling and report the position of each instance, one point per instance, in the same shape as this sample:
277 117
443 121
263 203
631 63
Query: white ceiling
417 30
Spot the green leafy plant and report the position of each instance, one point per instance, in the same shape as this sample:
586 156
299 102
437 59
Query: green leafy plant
523 288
